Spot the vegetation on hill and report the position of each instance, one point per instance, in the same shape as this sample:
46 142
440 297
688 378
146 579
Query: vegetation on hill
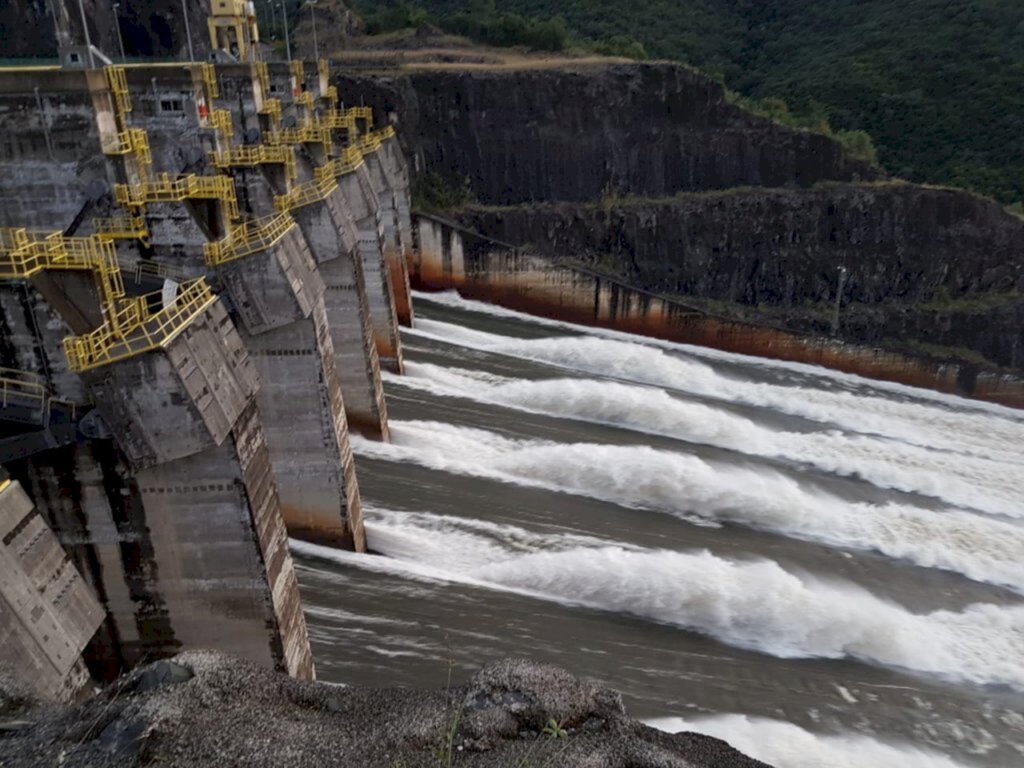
935 83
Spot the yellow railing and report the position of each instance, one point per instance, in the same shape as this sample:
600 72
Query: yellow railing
306 194
142 325
121 228
220 120
131 141
362 113
332 95
351 158
272 107
163 189
324 68
249 238
24 254
305 99
310 133
298 70
251 155
261 72
209 73
117 81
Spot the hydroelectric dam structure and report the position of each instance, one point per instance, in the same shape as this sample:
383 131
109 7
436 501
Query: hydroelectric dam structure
202 274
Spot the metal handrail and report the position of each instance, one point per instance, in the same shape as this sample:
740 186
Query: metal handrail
306 194
249 238
146 329
164 189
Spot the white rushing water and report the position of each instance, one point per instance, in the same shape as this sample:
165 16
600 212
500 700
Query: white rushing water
753 604
929 425
785 745
991 485
701 530
980 547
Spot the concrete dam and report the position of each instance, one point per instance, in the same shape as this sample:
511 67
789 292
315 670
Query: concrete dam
202 275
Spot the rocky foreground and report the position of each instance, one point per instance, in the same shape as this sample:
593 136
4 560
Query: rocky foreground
207 709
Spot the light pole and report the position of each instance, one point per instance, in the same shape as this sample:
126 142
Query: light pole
839 298
312 15
117 26
85 28
188 32
287 42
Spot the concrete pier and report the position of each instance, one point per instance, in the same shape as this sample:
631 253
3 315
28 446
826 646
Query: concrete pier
357 191
47 612
332 237
279 296
186 419
385 167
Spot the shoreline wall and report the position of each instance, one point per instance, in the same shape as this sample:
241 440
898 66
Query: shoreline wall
451 257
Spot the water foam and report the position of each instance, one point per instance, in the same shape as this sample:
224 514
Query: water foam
827 376
756 605
982 548
926 425
785 745
984 484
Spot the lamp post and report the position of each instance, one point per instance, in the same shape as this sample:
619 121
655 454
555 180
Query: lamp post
117 26
85 28
287 42
839 299
188 32
312 15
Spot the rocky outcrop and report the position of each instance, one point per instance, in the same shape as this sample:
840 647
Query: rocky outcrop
575 133
941 267
203 709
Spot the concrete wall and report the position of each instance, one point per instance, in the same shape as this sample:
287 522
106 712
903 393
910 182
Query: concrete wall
47 612
357 191
484 269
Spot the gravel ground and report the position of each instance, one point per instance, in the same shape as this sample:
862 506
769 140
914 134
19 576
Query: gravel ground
208 709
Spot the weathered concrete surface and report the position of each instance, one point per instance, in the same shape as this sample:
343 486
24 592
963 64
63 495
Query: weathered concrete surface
204 709
162 407
47 612
279 295
526 281
357 191
391 187
303 414
575 133
332 237
275 287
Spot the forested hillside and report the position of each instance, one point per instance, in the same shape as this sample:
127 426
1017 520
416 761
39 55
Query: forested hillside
936 83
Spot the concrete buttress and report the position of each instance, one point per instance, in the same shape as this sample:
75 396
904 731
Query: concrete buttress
332 237
385 167
279 296
202 495
357 191
47 612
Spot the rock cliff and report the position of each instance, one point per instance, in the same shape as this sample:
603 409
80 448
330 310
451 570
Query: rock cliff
205 709
648 172
933 265
574 133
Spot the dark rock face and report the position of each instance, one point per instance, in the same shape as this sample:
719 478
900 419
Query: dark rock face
148 27
573 134
937 265
207 709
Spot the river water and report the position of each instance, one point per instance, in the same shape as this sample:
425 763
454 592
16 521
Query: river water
823 570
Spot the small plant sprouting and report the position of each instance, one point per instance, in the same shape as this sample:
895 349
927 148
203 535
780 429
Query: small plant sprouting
554 730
